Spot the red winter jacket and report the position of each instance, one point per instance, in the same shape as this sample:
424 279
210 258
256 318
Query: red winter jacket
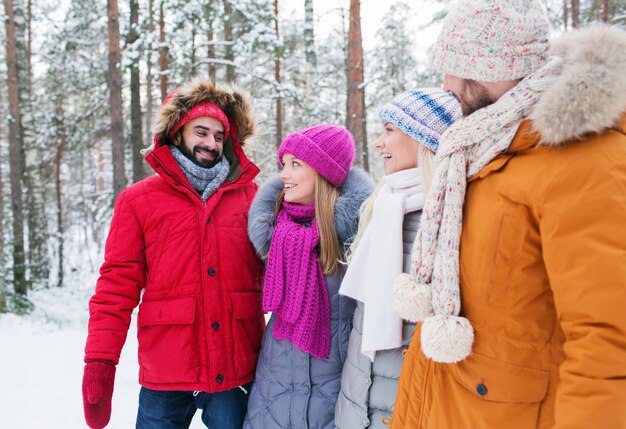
196 274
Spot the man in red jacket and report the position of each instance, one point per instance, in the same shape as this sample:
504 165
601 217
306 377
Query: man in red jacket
178 247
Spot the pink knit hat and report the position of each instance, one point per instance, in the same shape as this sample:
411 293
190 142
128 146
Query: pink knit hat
492 40
329 149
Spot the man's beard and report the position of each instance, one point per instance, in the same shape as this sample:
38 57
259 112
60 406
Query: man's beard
190 154
474 97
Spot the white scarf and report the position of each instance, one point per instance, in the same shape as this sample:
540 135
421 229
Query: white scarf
431 292
378 259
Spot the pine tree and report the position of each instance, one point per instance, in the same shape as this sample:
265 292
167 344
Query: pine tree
72 117
3 283
278 79
163 52
355 110
229 38
15 146
393 67
115 99
134 49
149 38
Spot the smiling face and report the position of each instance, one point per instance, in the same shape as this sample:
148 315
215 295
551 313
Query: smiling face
397 149
202 141
299 180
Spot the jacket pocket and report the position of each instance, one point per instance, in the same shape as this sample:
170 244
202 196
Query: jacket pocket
159 246
487 393
167 341
247 329
507 245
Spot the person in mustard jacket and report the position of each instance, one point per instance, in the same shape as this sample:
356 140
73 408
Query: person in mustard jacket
519 265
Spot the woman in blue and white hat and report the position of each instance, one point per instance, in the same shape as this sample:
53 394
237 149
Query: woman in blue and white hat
413 124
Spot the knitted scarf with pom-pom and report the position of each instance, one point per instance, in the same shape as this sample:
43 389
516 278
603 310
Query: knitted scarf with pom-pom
430 293
295 288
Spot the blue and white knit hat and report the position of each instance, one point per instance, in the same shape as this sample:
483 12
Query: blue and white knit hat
424 114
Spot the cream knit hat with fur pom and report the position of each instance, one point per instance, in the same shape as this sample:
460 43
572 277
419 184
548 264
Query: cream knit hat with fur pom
492 40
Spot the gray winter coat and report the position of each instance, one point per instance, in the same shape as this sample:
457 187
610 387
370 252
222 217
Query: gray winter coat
368 389
293 389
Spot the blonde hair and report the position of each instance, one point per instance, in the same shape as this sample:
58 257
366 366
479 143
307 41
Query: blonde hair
326 195
427 165
426 162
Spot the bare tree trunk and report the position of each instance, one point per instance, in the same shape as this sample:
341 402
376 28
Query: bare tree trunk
575 13
135 99
210 35
162 52
60 147
36 238
37 255
115 98
2 214
3 292
211 47
355 112
278 79
15 146
100 183
605 11
149 99
565 14
309 46
29 39
192 60
228 36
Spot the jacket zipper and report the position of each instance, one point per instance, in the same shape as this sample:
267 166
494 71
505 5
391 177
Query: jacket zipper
203 204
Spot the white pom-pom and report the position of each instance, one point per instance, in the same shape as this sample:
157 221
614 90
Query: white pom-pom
447 339
411 300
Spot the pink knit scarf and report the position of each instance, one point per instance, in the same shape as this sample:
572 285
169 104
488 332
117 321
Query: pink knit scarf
295 288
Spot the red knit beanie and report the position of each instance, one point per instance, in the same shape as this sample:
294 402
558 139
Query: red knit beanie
210 110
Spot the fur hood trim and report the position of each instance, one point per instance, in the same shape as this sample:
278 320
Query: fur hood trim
357 187
589 96
231 100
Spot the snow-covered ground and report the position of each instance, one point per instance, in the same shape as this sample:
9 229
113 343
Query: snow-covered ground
41 366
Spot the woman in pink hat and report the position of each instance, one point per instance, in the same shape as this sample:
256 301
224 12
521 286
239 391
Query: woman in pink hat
299 223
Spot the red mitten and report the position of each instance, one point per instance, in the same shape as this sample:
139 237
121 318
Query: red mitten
98 381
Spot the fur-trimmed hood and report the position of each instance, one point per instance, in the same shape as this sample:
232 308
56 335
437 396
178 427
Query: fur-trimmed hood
589 95
231 100
357 187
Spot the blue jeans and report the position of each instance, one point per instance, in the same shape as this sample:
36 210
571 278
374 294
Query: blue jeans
175 409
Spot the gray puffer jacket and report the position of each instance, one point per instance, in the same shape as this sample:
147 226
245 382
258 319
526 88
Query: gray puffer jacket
293 389
368 389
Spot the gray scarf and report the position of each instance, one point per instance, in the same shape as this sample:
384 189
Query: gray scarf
204 180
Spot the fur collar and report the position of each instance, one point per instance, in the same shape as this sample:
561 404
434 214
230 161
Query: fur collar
232 101
589 96
355 190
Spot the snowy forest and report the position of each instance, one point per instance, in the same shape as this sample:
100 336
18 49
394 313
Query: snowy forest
81 79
